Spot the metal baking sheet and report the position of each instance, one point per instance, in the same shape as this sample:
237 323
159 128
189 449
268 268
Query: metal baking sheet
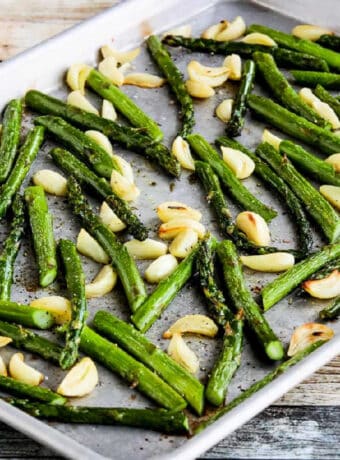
43 67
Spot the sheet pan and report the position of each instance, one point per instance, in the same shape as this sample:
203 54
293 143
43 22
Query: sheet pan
43 67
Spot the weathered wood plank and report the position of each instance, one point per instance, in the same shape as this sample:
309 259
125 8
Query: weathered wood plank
278 433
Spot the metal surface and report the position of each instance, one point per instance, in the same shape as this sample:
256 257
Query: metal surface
43 68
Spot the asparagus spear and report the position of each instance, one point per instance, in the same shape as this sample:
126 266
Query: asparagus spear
206 45
332 311
23 339
234 186
10 137
25 158
321 211
127 271
309 163
86 148
137 345
294 60
103 86
330 41
42 232
325 96
72 166
149 419
304 46
242 300
282 90
118 361
283 57
313 78
75 282
259 384
276 290
230 356
164 293
295 126
37 393
25 315
285 194
236 122
326 270
130 138
11 247
176 82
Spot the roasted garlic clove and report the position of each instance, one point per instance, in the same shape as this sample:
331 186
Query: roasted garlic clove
254 227
21 371
181 353
102 284
173 209
306 335
80 380
58 306
324 288
160 268
192 324
275 262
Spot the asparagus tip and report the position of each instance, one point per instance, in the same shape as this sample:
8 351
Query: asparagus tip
274 350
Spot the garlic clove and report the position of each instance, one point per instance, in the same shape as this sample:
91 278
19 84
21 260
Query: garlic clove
334 160
147 249
109 218
181 151
271 139
321 108
51 181
144 80
212 76
58 306
76 77
254 227
125 168
101 140
183 243
234 64
102 284
257 38
81 380
3 368
77 99
108 110
21 371
108 67
182 31
212 31
173 209
169 230
160 268
224 110
310 32
199 89
269 263
232 30
306 335
123 187
179 351
192 324
324 288
242 165
4 341
332 194
122 57
89 247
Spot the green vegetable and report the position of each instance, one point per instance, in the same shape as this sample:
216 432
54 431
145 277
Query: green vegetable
321 211
164 293
295 126
103 86
126 268
75 282
148 419
25 390
282 90
11 247
72 166
131 138
23 339
259 384
312 78
330 41
243 301
25 315
325 96
10 137
236 122
294 60
86 148
176 82
303 46
233 185
26 156
137 345
206 45
42 233
332 311
281 286
309 163
118 361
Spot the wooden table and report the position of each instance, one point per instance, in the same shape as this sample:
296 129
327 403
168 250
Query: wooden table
305 423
